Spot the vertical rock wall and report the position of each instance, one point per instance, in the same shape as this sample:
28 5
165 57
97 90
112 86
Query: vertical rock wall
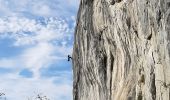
122 50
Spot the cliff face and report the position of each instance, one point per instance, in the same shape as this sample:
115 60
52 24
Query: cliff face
122 50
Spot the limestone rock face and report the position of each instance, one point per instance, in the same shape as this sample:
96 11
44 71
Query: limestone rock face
122 50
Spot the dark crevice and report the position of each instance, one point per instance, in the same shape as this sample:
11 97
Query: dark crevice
153 58
88 2
128 22
111 71
118 1
102 67
112 2
130 98
158 16
115 1
140 96
147 2
136 32
105 67
100 36
101 33
112 62
103 73
149 37
168 4
169 93
142 79
153 87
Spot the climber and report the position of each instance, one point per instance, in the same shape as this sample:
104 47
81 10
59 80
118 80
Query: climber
69 57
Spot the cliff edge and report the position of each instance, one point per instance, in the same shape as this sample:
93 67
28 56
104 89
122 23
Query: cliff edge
122 50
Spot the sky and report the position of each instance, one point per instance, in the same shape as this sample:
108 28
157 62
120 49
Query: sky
35 38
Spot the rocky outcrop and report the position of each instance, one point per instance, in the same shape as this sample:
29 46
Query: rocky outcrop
122 50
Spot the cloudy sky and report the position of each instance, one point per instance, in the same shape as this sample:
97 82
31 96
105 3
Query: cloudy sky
35 38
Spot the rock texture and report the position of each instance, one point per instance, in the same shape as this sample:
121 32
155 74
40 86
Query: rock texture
122 50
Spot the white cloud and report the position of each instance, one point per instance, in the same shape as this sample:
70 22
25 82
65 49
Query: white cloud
4 8
38 7
41 37
8 63
55 8
38 57
42 49
73 3
42 9
17 88
51 29
45 41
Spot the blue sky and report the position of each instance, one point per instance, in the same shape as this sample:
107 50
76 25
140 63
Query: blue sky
35 38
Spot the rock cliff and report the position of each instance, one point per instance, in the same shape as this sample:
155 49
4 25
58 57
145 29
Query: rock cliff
122 50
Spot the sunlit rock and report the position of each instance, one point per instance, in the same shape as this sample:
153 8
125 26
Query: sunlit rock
122 50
